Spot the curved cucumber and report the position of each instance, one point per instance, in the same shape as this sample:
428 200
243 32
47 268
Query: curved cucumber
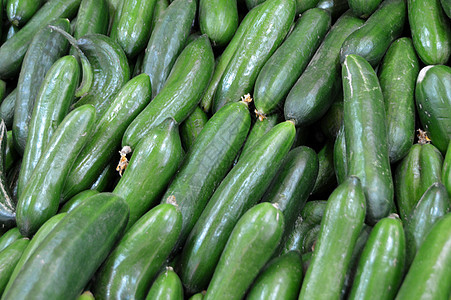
9 237
7 203
363 8
166 286
107 179
326 180
7 108
8 260
76 200
191 127
446 5
92 17
446 170
218 19
19 12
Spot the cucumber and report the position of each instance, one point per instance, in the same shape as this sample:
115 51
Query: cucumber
381 264
198 296
310 239
51 106
19 12
367 154
84 237
92 17
166 286
7 108
284 67
181 94
86 296
192 127
332 121
40 199
47 47
7 203
429 276
167 41
113 6
107 179
12 30
335 7
363 9
207 163
433 99
280 279
10 152
106 137
430 29
446 5
8 260
152 165
130 269
76 200
304 5
446 170
218 19
313 92
13 178
414 175
397 77
325 181
9 237
160 8
249 247
251 4
340 227
340 159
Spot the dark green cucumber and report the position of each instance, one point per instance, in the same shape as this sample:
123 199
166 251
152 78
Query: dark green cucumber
51 106
77 199
173 27
19 12
181 94
47 47
166 286
7 203
304 5
243 186
198 296
12 52
429 276
326 180
310 238
137 68
333 120
381 264
40 199
335 7
340 228
113 6
11 154
9 237
249 247
106 137
414 175
366 136
446 170
218 19
430 29
7 108
433 205
84 237
284 67
340 159
92 17
152 165
160 7
362 8
207 163
13 177
280 279
191 127
251 4
314 91
107 179
131 26
446 5
8 260
397 77
2 90
261 40
130 269
372 40
433 99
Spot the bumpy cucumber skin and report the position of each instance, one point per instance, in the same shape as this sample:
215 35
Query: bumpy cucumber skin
446 170
250 246
362 8
218 19
7 203
8 260
9 237
20 11
167 286
76 200
397 77
92 17
191 127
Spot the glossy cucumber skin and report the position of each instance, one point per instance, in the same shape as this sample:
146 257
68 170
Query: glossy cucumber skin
7 108
249 247
84 237
325 181
304 5
207 163
433 99
340 159
381 264
47 47
363 9
284 67
414 175
167 286
446 5
181 94
92 17
446 170
12 52
7 203
51 106
173 27
239 190
8 260
40 199
335 7
429 276
430 29
191 127
106 136
152 165
160 8
76 200
372 40
10 152
20 11
313 92
397 77
366 136
9 237
218 19
130 269
340 228
107 179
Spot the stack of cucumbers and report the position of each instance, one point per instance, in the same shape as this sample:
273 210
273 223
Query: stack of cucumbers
225 149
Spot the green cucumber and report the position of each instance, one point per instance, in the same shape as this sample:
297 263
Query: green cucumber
181 94
8 260
218 19
86 296
138 65
304 5
381 264
243 186
251 4
284 67
363 9
414 175
335 7
249 247
372 40
167 41
166 286
2 90
326 180
92 17
152 165
47 47
446 5
207 163
11 154
306 260
40 199
367 153
19 12
7 203
280 279
84 237
314 91
340 159
9 237
198 296
107 179
113 6
76 200
11 32
430 29
130 269
13 178
340 229
160 7
310 238
333 120
446 170
191 127
7 108
433 99
397 77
